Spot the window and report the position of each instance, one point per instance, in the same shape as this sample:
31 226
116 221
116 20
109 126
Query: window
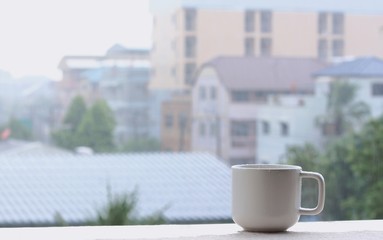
202 92
213 93
249 46
202 129
338 23
190 19
284 129
377 89
241 129
182 121
266 19
265 47
249 20
189 73
322 49
322 23
240 96
265 128
169 121
260 97
337 48
190 46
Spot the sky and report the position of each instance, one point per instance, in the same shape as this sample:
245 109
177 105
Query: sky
35 35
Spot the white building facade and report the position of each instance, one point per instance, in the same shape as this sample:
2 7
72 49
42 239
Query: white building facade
248 110
245 121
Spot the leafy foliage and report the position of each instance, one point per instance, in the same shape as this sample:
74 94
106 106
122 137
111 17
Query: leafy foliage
343 114
353 168
96 128
91 128
18 130
121 210
75 114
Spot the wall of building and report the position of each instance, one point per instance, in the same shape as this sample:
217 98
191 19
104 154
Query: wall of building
176 124
212 113
299 113
222 32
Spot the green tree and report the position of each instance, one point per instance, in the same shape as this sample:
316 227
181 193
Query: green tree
352 166
18 130
366 161
75 114
67 137
96 128
340 179
141 145
309 158
343 113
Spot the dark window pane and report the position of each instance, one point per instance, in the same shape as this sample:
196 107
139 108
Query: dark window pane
337 48
240 96
189 72
190 19
322 23
249 46
338 23
266 47
265 127
266 19
190 46
377 89
249 21
284 129
322 49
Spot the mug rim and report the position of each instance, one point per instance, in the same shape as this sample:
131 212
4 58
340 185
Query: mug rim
268 167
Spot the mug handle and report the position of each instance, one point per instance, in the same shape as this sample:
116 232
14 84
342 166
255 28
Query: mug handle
321 193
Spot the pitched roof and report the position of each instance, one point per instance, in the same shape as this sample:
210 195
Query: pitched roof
194 186
266 73
359 67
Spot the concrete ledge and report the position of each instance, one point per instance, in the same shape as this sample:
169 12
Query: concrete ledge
371 229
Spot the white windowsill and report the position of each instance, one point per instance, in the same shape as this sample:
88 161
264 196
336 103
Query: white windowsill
370 229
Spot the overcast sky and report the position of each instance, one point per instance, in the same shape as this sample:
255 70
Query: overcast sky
34 35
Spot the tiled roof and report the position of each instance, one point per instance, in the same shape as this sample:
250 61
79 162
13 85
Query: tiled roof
359 67
266 73
194 186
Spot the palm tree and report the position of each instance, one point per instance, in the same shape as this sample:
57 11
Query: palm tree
343 114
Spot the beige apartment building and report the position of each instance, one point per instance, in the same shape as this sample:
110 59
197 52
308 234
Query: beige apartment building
187 33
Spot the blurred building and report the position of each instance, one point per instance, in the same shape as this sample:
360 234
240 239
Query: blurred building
30 101
188 33
249 109
176 124
365 73
121 77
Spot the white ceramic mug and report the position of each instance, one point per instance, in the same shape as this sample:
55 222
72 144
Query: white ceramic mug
267 197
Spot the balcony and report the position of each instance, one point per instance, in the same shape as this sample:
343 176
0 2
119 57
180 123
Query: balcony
370 229
242 146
